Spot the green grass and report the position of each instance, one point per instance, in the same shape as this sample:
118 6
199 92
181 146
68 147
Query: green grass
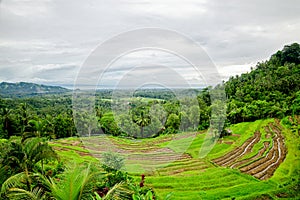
76 148
180 146
258 146
244 130
72 156
195 178
214 183
290 168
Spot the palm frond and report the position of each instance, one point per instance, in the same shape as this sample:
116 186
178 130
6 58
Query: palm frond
18 193
119 191
3 174
45 182
74 185
15 181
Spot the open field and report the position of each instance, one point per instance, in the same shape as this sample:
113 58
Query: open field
259 160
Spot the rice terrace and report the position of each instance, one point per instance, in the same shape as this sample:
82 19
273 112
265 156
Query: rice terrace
175 143
149 100
233 169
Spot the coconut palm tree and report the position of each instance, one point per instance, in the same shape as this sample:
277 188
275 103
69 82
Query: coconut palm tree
143 120
77 183
25 185
20 161
35 129
24 116
6 119
23 156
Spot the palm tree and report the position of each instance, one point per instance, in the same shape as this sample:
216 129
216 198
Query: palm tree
6 121
21 160
49 126
76 184
24 116
35 129
143 120
19 186
23 156
120 191
37 150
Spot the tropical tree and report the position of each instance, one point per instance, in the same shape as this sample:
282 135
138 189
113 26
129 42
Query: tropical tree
35 129
109 125
63 126
6 123
21 162
24 116
127 126
185 122
193 116
77 183
24 185
173 123
140 115
24 156
143 119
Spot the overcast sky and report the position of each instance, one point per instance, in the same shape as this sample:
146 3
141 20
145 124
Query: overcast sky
47 41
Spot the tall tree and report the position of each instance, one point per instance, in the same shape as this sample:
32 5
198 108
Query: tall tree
143 119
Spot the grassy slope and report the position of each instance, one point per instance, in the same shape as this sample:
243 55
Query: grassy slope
196 178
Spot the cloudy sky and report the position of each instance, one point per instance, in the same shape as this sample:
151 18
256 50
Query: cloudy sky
51 41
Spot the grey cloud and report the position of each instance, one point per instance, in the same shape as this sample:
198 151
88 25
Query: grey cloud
47 40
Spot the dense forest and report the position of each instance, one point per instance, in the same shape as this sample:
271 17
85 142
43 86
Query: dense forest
42 113
271 89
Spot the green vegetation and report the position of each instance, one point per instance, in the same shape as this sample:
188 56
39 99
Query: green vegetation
271 90
23 89
195 178
30 169
159 139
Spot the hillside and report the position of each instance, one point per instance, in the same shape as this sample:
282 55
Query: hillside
271 89
253 163
23 89
256 156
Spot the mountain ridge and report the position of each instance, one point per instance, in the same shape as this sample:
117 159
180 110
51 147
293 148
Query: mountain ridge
21 89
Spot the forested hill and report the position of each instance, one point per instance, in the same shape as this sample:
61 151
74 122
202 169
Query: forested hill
22 89
271 89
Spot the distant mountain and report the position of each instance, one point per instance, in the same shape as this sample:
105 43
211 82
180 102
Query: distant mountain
22 89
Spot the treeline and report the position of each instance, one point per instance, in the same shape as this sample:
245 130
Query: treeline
52 116
49 117
272 89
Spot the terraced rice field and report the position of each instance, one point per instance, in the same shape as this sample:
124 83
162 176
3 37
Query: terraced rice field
263 164
255 162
